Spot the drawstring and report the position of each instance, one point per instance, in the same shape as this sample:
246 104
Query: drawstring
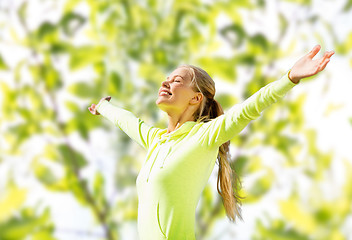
166 153
164 150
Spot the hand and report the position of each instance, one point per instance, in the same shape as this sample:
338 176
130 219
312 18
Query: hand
306 66
93 109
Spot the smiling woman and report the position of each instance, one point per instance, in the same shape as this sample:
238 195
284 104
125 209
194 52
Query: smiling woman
181 100
181 157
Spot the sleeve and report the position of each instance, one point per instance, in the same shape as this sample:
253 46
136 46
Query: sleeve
225 127
134 127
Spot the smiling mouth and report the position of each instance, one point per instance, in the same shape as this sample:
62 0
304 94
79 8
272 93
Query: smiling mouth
164 93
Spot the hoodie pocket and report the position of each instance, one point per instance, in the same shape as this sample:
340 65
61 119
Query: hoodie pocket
160 228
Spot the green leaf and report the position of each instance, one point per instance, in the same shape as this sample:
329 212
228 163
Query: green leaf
43 235
3 65
25 225
65 155
22 13
219 66
72 106
71 157
98 190
240 165
11 201
60 47
46 31
234 33
71 22
70 5
347 6
259 188
51 77
77 188
301 218
17 229
259 44
98 184
245 59
84 90
151 73
278 230
23 131
226 100
86 55
44 174
115 84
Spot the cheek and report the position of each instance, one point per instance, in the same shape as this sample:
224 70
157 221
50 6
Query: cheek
181 95
181 90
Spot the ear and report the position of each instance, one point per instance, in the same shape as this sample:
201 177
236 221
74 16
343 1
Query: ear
197 98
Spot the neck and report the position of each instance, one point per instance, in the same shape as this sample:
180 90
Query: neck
176 121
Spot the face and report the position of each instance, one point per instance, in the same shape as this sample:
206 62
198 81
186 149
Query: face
180 94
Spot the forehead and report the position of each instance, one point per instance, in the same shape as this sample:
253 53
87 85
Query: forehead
185 73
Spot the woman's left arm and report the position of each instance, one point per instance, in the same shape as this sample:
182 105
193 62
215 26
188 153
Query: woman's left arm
225 127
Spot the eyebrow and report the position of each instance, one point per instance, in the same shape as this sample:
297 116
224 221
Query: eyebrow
177 76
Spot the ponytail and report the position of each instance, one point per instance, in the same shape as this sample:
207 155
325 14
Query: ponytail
228 182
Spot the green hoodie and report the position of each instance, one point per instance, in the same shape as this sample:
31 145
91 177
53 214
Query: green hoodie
178 164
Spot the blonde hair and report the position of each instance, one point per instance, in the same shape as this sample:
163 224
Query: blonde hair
228 181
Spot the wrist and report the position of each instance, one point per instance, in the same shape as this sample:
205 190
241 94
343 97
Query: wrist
294 80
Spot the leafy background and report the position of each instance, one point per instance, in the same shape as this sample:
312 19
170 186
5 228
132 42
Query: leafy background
66 174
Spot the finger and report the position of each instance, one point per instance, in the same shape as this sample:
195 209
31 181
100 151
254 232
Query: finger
108 98
326 57
314 51
323 65
326 54
331 53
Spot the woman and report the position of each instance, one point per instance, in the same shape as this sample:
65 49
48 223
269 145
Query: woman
181 157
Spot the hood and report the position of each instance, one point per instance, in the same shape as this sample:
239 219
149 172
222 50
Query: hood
184 128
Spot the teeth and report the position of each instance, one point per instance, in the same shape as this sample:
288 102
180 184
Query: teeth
164 93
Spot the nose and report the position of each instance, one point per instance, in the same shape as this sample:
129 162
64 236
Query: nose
165 84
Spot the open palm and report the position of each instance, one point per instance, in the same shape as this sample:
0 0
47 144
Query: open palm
306 66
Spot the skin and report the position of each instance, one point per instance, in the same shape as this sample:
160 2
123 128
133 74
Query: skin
306 66
184 101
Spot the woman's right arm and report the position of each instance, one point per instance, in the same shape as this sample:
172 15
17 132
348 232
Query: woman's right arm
94 108
134 127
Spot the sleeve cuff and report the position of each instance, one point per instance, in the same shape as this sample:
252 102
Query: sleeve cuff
287 74
285 84
100 107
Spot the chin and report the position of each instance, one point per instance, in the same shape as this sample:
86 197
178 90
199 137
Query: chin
160 101
162 106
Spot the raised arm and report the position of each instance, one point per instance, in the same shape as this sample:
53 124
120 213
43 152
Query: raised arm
134 127
225 127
